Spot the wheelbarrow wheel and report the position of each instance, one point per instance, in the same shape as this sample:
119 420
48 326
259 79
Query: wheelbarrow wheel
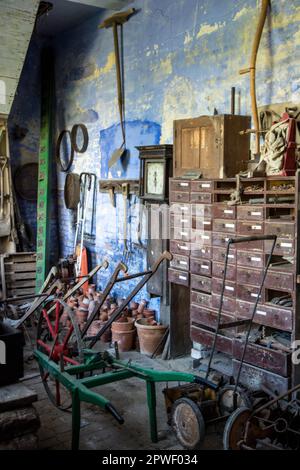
235 428
226 399
188 423
61 345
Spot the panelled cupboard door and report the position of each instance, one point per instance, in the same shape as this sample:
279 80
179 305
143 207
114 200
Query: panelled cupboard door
195 145
211 144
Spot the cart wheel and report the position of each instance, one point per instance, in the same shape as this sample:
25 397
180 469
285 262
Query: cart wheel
226 400
62 345
188 423
235 428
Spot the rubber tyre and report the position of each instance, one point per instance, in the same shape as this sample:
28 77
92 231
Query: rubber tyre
235 424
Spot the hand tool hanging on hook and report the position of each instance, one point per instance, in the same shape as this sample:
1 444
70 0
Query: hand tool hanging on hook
118 19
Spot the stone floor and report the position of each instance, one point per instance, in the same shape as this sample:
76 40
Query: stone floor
99 431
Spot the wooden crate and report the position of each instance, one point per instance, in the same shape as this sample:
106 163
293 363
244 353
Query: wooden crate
18 272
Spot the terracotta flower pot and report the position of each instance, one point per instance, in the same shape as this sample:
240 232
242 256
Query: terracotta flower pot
133 305
81 315
148 313
95 327
126 325
149 336
125 339
142 305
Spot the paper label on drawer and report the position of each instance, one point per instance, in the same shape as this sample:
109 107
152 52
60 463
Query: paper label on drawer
253 258
254 295
184 263
286 245
229 225
256 213
226 239
183 184
260 312
227 211
229 288
184 221
231 256
181 247
205 185
256 227
204 267
184 234
182 278
205 237
184 209
206 223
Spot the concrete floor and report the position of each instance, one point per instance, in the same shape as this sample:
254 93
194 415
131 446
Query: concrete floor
99 431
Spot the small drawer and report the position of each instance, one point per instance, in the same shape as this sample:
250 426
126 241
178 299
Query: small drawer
202 211
255 246
250 228
179 233
223 211
281 229
223 344
250 213
178 277
180 248
254 378
221 239
200 266
219 255
179 220
180 262
275 317
260 356
249 259
248 293
218 271
283 247
179 196
202 198
179 185
227 306
184 209
201 186
201 224
199 298
226 226
200 238
249 276
202 316
201 252
230 287
280 280
201 283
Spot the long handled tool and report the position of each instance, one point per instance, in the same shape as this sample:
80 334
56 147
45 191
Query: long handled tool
252 71
118 19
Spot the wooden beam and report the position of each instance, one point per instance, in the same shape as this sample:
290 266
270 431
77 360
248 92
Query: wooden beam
108 4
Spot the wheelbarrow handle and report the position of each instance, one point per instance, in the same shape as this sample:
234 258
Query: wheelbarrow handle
166 255
112 410
255 238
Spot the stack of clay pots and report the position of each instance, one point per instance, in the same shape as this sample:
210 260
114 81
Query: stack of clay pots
124 329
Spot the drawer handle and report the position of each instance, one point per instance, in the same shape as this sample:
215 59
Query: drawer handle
260 312
257 214
253 258
179 196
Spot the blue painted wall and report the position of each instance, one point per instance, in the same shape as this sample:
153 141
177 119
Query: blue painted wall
181 59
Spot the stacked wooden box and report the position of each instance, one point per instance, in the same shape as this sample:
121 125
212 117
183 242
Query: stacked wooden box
201 224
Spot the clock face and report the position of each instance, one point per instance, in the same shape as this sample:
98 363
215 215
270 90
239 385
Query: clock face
155 178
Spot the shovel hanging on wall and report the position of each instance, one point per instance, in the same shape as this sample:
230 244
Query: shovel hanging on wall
114 21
